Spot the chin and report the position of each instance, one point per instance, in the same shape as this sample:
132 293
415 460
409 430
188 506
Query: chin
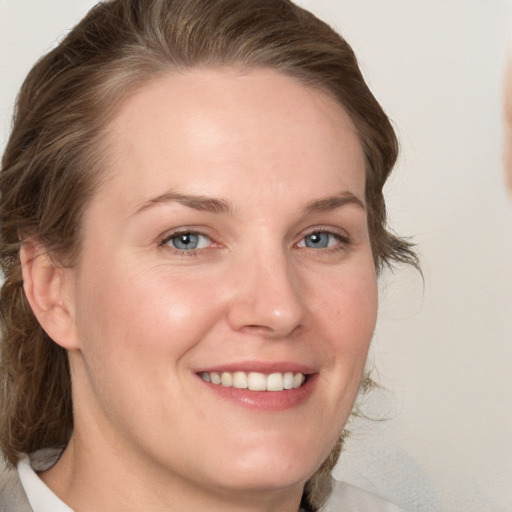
272 468
266 479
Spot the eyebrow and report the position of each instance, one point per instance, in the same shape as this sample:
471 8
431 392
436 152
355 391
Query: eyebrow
213 205
334 202
202 203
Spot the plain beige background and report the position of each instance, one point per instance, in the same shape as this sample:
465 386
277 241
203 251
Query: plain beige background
443 350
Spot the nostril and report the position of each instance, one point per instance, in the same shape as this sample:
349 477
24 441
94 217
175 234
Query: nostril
269 331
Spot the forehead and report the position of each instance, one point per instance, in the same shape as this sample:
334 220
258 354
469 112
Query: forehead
206 127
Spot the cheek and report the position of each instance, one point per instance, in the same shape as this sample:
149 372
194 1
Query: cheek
345 313
136 329
347 308
136 314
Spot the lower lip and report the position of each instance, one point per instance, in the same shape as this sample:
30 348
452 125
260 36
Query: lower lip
271 401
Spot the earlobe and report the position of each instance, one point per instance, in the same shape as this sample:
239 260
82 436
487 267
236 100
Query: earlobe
47 287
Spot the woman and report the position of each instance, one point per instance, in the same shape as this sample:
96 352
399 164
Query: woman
192 223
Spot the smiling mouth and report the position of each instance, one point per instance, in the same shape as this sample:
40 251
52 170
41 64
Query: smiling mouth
255 381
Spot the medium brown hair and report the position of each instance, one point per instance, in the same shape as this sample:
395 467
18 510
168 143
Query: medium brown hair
53 161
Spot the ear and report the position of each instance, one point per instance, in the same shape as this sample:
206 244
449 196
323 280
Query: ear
48 288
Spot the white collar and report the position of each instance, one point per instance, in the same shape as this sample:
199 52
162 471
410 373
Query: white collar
39 495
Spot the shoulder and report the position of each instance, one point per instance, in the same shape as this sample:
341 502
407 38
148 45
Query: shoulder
12 495
346 497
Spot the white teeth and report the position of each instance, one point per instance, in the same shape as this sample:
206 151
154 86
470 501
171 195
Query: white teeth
240 380
256 381
275 382
298 379
226 379
288 380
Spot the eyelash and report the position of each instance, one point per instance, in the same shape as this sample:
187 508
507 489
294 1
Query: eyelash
344 241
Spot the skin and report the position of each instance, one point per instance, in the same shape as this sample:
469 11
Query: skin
140 318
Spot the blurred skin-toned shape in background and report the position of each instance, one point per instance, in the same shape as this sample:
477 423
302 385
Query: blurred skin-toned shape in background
507 147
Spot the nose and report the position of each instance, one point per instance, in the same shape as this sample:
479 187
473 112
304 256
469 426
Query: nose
267 298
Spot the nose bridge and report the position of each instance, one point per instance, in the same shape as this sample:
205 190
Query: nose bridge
268 296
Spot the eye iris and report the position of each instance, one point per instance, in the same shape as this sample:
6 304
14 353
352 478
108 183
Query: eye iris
317 240
185 241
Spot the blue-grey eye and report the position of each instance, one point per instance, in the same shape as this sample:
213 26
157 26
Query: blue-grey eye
319 240
189 241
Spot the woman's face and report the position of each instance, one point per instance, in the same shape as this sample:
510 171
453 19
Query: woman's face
228 241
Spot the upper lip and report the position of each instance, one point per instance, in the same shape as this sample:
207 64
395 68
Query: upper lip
260 367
